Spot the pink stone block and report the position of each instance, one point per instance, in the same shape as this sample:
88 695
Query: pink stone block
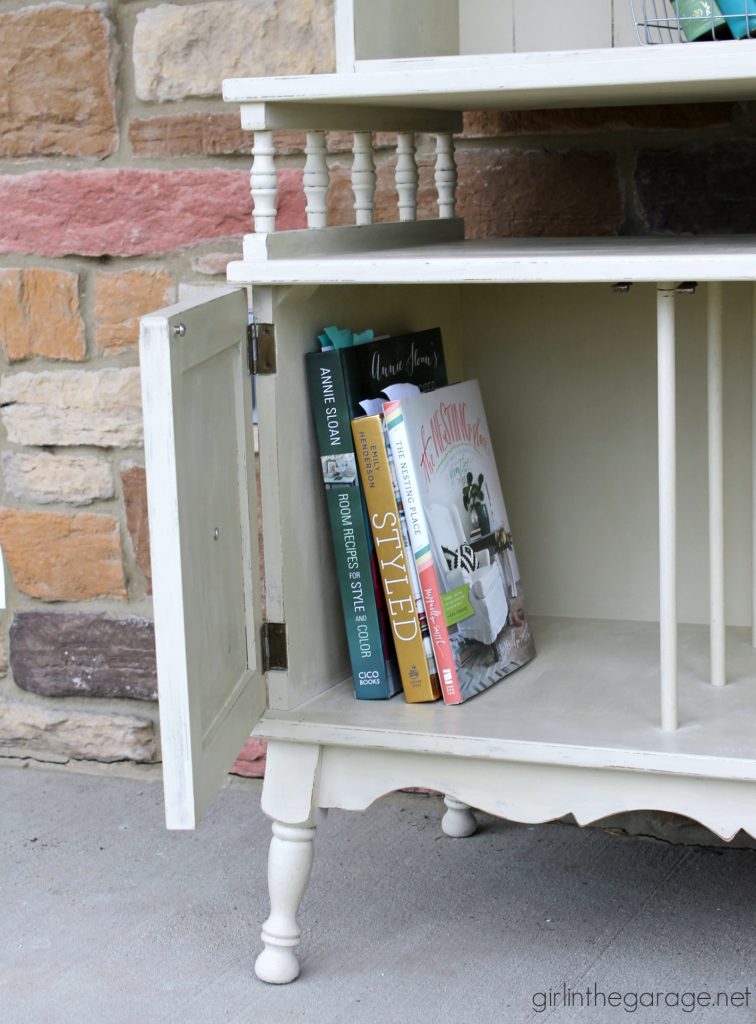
130 211
251 761
291 201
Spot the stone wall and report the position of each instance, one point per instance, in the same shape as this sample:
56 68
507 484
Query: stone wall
122 177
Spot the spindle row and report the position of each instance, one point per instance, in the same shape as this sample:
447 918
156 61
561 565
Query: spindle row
316 178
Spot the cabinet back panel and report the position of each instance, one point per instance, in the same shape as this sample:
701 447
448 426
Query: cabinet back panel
405 28
544 25
569 378
485 27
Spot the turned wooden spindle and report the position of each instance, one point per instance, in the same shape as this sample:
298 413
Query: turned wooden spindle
263 182
316 180
363 177
406 175
753 460
446 175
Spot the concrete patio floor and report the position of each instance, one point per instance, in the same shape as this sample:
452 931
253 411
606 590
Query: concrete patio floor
109 919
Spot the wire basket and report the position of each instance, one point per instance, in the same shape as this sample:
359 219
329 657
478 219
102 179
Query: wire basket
688 21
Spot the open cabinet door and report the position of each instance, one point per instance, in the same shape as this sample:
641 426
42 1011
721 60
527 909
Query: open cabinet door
197 399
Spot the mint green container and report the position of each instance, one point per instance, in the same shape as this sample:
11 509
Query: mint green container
702 19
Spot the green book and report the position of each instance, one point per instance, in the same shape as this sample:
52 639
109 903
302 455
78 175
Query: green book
371 650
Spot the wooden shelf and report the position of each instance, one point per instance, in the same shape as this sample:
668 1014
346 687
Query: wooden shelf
606 77
518 261
577 704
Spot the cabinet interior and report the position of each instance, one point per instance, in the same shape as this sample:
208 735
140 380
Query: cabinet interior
441 28
568 374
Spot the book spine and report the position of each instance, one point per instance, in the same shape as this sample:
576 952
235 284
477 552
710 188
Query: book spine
417 592
417 680
371 663
419 539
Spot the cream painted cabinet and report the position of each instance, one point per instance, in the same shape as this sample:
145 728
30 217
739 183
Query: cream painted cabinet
623 423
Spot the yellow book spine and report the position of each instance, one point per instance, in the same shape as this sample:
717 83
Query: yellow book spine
370 448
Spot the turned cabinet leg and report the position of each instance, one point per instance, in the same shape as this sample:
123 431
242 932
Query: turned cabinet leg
459 821
289 864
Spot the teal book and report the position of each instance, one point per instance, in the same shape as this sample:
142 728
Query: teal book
371 648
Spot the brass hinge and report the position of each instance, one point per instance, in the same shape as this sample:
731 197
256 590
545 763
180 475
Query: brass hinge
275 654
261 348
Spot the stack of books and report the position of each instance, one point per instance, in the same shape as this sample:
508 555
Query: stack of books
430 586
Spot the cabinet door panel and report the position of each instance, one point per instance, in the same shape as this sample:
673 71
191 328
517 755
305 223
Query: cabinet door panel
196 393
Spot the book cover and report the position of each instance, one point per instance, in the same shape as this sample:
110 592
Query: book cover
448 447
413 649
371 651
369 368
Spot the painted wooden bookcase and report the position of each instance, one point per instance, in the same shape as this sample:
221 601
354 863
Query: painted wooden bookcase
619 381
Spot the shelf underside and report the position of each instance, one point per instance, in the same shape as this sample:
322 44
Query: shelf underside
603 77
590 698
518 261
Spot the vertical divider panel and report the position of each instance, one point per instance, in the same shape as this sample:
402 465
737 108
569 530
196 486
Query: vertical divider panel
753 464
716 484
344 35
665 326
623 24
